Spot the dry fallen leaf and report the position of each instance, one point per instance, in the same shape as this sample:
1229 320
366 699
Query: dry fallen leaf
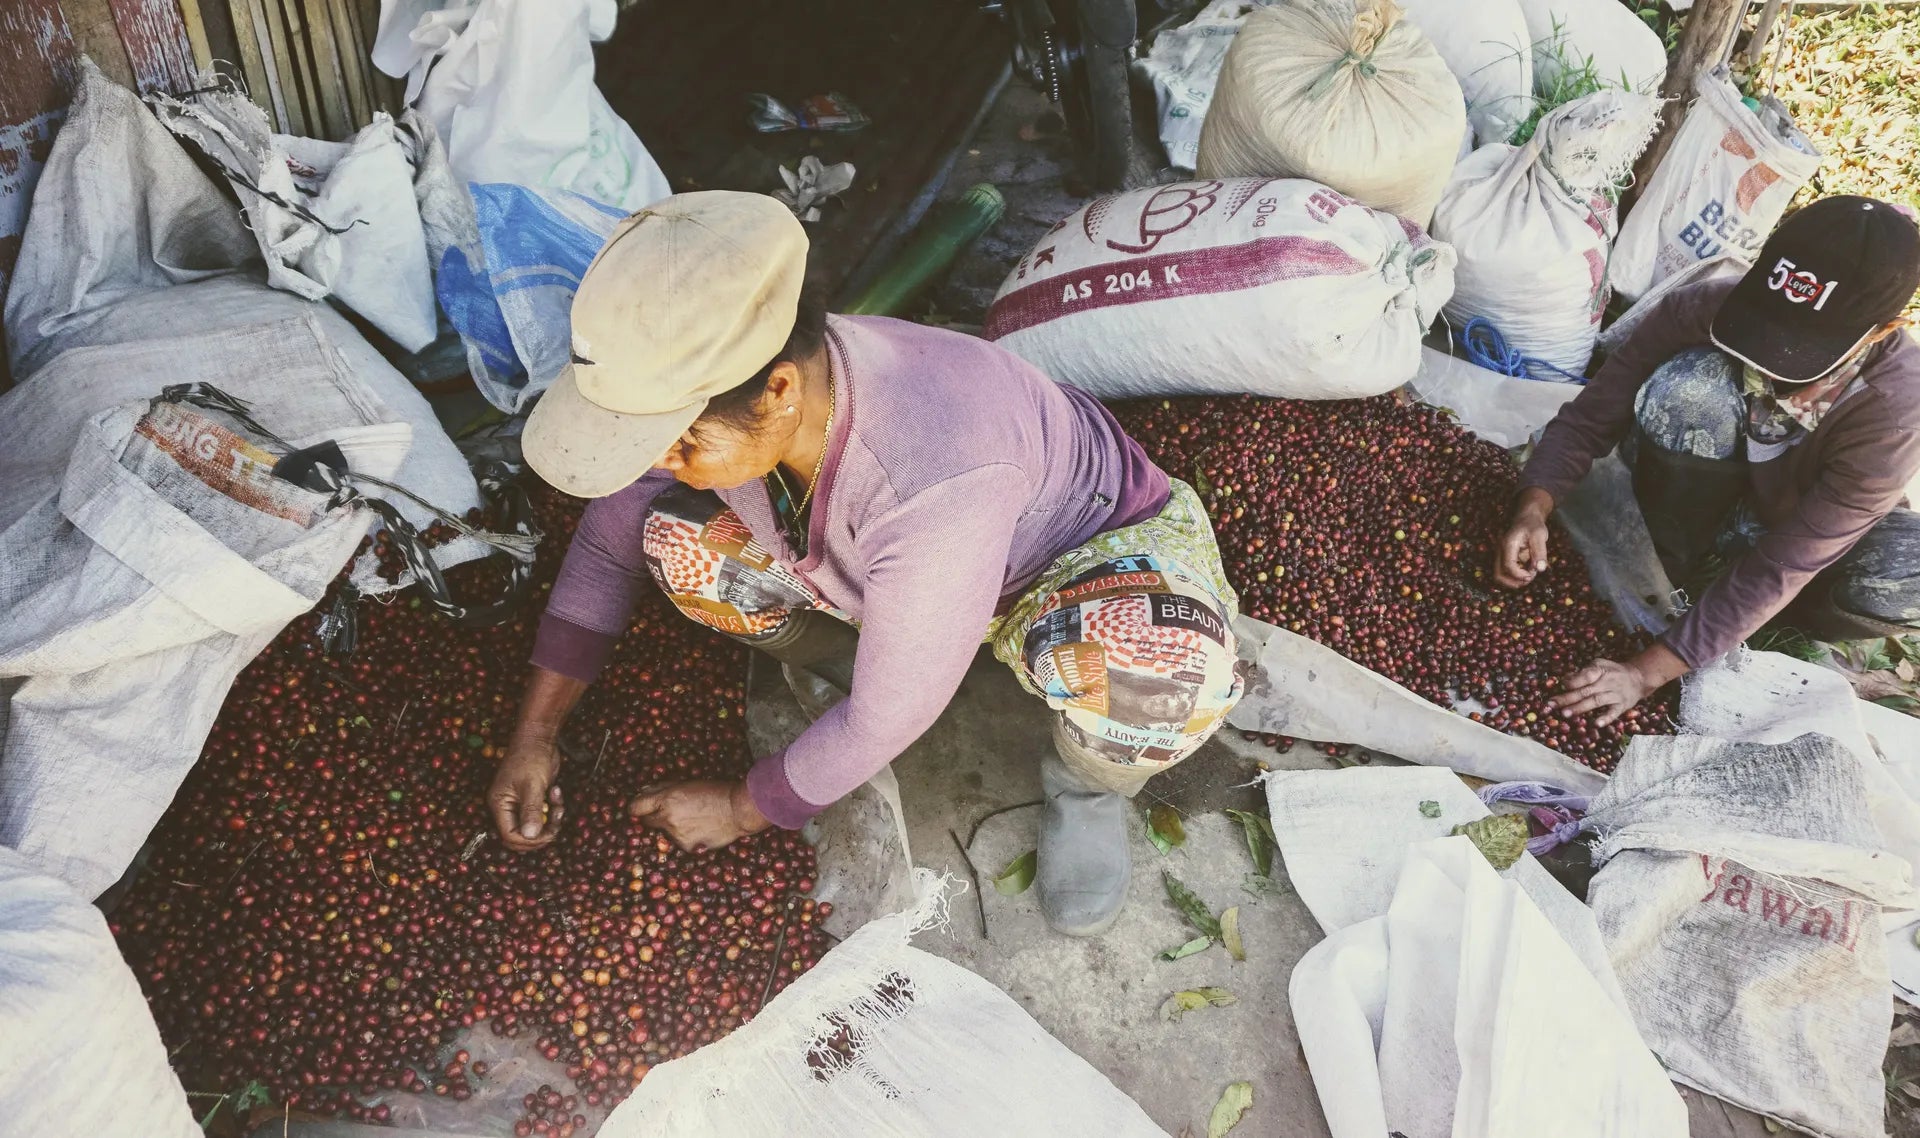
1234 1103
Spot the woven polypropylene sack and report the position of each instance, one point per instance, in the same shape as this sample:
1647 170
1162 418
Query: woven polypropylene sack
1486 45
1532 226
1354 97
1740 900
129 242
881 1038
1723 185
1605 36
1277 287
79 1052
146 555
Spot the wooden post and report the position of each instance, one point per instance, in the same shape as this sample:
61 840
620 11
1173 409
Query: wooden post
1762 31
1710 29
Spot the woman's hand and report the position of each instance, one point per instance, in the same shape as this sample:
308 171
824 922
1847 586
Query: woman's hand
1522 554
527 806
700 814
1610 688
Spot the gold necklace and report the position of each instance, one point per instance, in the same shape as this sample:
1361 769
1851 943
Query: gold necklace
833 402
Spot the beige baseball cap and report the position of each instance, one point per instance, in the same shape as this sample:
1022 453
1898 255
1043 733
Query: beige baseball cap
688 298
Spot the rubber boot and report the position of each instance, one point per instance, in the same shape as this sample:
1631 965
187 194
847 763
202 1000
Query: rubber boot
1816 613
815 651
1685 499
1084 868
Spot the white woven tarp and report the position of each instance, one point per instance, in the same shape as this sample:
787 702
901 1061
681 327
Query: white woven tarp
79 1053
881 1038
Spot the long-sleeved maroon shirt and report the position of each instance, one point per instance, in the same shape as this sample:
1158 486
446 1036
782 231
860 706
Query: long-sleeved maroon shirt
1816 500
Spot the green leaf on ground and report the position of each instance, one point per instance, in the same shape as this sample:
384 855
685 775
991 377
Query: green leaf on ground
1260 839
1230 933
1191 906
1197 944
1501 838
1164 829
1429 809
1018 876
1193 999
1905 704
1234 1103
1258 885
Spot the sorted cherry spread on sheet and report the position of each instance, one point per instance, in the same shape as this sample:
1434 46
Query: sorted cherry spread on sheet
326 905
1369 526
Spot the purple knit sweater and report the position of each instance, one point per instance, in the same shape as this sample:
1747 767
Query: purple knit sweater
955 473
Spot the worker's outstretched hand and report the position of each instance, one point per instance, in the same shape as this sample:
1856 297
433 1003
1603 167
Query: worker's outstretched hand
699 814
527 805
1522 553
1607 689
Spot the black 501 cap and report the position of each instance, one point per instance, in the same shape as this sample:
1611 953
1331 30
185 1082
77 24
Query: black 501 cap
1832 273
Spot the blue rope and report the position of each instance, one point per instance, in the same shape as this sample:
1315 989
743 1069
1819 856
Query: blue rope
1486 347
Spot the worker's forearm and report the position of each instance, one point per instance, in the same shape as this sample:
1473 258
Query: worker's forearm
544 707
1533 503
1659 666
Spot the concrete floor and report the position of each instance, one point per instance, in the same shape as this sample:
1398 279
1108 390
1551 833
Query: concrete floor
970 789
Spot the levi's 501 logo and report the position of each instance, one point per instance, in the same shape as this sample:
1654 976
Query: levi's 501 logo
1798 285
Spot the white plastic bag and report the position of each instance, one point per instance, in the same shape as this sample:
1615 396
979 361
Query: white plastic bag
1467 989
1604 35
1720 189
1343 92
1740 899
1486 45
509 86
335 219
511 296
79 1053
1532 226
1184 66
882 1038
1270 286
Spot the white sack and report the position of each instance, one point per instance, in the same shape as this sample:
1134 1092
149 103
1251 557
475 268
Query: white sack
1502 409
79 1053
126 211
1532 226
145 557
1344 835
332 218
1275 287
1571 34
130 242
1302 688
1769 697
1471 1019
1343 92
1486 45
1741 899
1184 66
932 1051
1722 186
508 84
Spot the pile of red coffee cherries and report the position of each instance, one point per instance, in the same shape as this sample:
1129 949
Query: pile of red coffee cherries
1369 526
326 908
